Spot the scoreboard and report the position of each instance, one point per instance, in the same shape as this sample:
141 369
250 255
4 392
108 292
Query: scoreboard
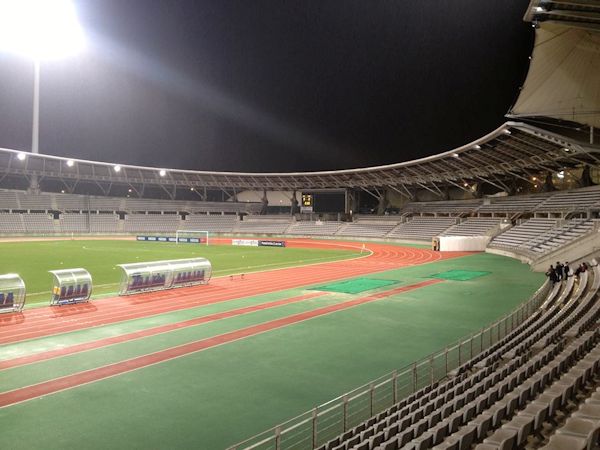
307 203
323 201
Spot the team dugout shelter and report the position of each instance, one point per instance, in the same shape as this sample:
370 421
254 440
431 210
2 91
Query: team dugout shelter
70 286
160 275
12 293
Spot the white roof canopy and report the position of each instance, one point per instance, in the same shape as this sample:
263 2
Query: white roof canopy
563 80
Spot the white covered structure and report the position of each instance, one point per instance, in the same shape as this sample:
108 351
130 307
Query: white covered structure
562 82
463 243
12 293
160 275
70 286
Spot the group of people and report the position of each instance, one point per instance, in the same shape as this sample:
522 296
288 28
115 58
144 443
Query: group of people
558 272
561 271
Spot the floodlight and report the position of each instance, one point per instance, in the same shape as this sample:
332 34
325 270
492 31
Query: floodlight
477 147
455 155
40 29
21 156
506 131
117 168
561 174
162 172
70 163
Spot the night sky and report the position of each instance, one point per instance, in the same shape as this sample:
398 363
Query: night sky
273 85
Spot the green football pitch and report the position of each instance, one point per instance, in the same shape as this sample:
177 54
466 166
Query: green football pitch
32 260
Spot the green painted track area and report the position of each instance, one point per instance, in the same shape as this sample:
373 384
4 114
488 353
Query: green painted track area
356 285
33 260
459 275
216 397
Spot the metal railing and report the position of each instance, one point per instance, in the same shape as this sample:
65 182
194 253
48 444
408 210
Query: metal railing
326 421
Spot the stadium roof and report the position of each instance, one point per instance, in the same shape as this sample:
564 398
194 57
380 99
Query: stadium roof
515 150
562 82
575 13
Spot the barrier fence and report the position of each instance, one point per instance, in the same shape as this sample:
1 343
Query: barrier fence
323 423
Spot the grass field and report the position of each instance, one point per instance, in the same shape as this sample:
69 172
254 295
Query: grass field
32 260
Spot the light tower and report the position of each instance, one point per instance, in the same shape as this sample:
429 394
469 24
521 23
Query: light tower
39 30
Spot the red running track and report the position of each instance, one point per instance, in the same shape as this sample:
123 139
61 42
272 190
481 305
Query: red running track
89 376
48 321
78 348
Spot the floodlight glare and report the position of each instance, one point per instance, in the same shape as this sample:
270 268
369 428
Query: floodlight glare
162 172
70 163
117 168
21 156
40 29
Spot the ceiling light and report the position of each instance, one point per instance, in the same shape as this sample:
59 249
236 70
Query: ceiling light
455 155
162 172
506 131
70 163
561 174
21 156
117 168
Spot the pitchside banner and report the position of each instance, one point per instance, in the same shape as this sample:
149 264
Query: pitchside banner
257 243
184 240
245 242
271 243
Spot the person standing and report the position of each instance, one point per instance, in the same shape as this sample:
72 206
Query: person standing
551 274
566 270
559 270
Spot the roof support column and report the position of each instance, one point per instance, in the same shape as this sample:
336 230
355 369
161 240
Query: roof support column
352 201
383 202
265 203
294 203
586 178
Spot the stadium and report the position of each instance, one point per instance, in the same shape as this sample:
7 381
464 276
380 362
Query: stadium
398 306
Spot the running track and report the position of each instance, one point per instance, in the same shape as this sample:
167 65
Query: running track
48 321
89 376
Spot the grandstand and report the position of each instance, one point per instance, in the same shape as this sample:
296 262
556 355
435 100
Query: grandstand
376 227
476 226
318 228
422 228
